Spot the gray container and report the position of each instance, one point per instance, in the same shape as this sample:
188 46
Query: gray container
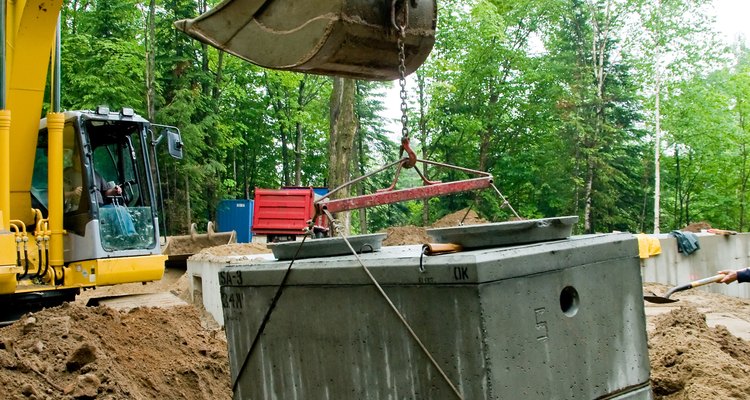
559 320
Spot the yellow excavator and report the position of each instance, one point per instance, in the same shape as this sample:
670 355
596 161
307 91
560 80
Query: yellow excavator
63 226
78 207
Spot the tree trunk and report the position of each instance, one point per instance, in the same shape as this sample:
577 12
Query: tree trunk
286 177
743 172
343 128
677 191
357 157
599 60
253 170
298 134
298 154
657 153
188 217
234 165
150 62
588 225
216 92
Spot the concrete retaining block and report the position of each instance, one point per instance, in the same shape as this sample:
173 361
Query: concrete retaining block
557 320
716 253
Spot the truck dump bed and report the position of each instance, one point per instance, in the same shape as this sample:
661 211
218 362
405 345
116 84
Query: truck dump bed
282 211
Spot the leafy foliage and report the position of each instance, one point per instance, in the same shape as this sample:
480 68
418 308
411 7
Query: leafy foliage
553 97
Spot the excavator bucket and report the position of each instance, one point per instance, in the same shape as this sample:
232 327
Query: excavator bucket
179 248
352 38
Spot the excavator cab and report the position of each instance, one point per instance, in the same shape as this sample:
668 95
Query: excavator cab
353 38
103 150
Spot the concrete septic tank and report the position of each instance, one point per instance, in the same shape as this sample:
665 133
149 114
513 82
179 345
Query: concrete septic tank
554 320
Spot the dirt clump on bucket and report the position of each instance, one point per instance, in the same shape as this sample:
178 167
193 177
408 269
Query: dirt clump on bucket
691 361
76 352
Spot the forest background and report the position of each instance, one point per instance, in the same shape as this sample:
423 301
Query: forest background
631 114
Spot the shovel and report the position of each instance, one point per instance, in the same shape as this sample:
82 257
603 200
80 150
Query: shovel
694 284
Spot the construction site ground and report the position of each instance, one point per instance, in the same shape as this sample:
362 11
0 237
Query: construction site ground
698 346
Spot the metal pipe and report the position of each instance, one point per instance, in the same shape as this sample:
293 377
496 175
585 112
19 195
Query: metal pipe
3 84
55 124
39 246
46 264
4 126
5 165
395 196
56 69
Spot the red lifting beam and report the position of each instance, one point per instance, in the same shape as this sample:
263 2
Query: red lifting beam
395 196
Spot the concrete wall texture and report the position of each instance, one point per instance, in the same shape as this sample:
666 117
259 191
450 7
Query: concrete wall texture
557 320
716 253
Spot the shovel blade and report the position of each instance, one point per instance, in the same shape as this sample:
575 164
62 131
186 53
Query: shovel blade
658 299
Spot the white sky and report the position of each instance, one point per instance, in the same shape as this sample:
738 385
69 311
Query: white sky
732 18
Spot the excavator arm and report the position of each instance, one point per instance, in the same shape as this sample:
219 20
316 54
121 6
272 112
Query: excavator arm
352 38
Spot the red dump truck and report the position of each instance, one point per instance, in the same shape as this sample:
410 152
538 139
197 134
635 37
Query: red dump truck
281 215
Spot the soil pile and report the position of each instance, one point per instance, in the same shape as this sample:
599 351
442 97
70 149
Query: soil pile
468 217
236 249
75 352
174 281
182 245
403 235
691 361
410 234
696 227
241 250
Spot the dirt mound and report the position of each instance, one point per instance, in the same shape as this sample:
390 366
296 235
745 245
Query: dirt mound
182 245
454 219
403 235
696 227
236 249
691 361
244 250
410 234
174 280
75 352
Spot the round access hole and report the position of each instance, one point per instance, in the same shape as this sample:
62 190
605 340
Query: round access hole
569 301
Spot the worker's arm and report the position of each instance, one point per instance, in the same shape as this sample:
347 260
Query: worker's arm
113 191
740 275
75 192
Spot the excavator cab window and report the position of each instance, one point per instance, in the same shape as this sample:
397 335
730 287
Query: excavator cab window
39 184
74 198
101 151
126 220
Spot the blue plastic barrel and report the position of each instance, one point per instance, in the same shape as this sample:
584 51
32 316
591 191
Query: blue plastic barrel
235 215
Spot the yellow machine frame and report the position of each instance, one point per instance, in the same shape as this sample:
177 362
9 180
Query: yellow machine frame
29 49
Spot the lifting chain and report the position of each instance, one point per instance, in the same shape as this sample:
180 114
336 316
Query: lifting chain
400 27
402 81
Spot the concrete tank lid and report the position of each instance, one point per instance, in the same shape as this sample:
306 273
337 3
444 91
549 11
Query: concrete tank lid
404 265
505 233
